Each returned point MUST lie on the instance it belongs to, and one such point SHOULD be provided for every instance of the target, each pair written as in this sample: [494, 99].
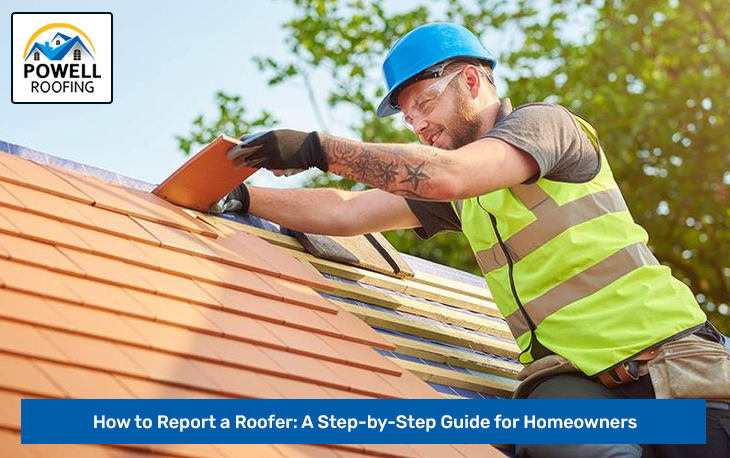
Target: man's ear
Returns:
[473, 80]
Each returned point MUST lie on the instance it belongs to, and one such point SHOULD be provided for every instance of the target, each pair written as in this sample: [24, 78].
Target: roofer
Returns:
[531, 188]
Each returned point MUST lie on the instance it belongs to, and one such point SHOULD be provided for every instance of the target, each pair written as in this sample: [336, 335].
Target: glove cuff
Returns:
[317, 158]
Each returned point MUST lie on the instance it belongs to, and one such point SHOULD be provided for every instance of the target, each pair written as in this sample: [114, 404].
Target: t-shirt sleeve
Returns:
[435, 217]
[551, 136]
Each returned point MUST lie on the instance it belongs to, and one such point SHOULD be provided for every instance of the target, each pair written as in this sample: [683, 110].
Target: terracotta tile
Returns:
[235, 253]
[334, 393]
[9, 200]
[298, 294]
[305, 367]
[84, 383]
[97, 323]
[410, 386]
[27, 340]
[307, 319]
[305, 451]
[105, 296]
[243, 354]
[26, 278]
[114, 223]
[10, 408]
[42, 203]
[400, 450]
[178, 239]
[11, 446]
[244, 303]
[174, 216]
[6, 225]
[303, 342]
[353, 328]
[186, 450]
[91, 352]
[290, 267]
[175, 262]
[169, 368]
[361, 355]
[173, 286]
[364, 381]
[478, 450]
[29, 308]
[107, 270]
[252, 450]
[238, 278]
[237, 382]
[20, 374]
[43, 229]
[41, 254]
[42, 177]
[149, 389]
[170, 285]
[439, 450]
[173, 339]
[112, 246]
[241, 327]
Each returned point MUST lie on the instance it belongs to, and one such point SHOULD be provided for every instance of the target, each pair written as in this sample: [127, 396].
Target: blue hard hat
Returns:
[422, 48]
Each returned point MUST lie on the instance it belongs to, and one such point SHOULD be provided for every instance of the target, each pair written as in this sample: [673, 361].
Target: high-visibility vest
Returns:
[571, 272]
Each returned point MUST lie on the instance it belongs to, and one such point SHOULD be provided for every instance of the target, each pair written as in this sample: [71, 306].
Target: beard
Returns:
[465, 124]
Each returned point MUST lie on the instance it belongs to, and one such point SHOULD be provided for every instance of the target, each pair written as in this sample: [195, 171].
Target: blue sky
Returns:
[170, 57]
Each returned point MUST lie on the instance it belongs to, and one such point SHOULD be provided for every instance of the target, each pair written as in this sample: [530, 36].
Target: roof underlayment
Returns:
[108, 291]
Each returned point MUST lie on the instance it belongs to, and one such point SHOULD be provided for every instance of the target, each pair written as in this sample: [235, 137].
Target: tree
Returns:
[650, 75]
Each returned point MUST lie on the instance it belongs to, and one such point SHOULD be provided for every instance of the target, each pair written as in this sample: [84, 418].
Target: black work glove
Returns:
[236, 200]
[280, 149]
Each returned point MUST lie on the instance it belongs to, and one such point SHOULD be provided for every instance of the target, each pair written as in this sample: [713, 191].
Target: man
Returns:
[533, 192]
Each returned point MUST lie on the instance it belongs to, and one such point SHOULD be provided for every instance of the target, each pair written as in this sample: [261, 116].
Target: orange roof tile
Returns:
[107, 291]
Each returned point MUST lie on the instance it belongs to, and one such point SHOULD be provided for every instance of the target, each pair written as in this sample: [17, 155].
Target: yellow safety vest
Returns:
[571, 272]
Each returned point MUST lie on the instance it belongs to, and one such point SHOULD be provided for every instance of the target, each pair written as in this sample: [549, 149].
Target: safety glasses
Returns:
[424, 103]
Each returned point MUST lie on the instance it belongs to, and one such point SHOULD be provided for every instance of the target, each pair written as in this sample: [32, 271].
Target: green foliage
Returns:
[651, 75]
[231, 120]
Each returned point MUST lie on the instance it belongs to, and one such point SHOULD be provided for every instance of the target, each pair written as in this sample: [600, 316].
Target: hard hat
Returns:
[422, 48]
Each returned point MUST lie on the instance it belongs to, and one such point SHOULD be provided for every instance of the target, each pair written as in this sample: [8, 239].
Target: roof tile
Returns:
[242, 327]
[108, 270]
[26, 278]
[236, 254]
[244, 280]
[40, 177]
[20, 374]
[172, 339]
[245, 303]
[174, 286]
[91, 352]
[43, 203]
[114, 223]
[10, 444]
[43, 229]
[9, 200]
[104, 295]
[150, 389]
[112, 246]
[168, 368]
[297, 293]
[41, 254]
[26, 340]
[237, 382]
[29, 308]
[97, 323]
[84, 383]
[175, 311]
[6, 225]
[178, 240]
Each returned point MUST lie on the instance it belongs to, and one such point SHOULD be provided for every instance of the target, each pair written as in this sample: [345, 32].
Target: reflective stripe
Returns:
[544, 229]
[459, 204]
[582, 285]
[535, 199]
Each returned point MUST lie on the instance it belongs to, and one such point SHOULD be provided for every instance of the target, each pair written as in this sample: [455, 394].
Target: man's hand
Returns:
[236, 200]
[279, 150]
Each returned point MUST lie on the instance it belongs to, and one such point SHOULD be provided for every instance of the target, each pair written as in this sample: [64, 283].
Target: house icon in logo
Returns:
[61, 48]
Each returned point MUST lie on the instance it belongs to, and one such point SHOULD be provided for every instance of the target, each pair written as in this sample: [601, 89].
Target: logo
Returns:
[61, 58]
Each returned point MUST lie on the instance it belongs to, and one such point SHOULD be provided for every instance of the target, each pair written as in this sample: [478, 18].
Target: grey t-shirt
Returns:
[545, 131]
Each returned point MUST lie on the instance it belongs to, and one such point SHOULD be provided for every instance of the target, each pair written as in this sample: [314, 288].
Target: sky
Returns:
[170, 57]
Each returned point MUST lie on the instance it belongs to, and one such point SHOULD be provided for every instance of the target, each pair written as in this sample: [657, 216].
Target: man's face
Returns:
[453, 120]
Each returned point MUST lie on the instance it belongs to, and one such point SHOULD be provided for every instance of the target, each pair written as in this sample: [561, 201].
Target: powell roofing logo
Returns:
[60, 62]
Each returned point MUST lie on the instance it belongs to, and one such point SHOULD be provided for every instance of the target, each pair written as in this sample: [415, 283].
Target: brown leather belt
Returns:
[628, 371]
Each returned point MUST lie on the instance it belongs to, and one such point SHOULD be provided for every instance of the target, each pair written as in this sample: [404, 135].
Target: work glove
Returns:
[236, 200]
[280, 149]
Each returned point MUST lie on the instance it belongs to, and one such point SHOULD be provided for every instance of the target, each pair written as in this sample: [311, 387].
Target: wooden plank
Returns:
[441, 354]
[400, 266]
[432, 331]
[205, 178]
[457, 379]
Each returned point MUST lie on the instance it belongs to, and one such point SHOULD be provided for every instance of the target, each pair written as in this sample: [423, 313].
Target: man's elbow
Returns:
[447, 188]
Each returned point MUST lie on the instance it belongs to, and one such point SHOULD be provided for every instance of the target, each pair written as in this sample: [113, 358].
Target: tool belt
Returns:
[627, 371]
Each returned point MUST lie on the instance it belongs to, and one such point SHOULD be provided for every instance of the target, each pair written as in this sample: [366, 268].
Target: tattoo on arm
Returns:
[401, 169]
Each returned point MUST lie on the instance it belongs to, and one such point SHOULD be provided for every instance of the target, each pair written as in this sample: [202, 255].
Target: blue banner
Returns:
[263, 421]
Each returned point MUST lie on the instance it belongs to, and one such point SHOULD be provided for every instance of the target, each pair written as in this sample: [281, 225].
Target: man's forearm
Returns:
[305, 210]
[414, 171]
